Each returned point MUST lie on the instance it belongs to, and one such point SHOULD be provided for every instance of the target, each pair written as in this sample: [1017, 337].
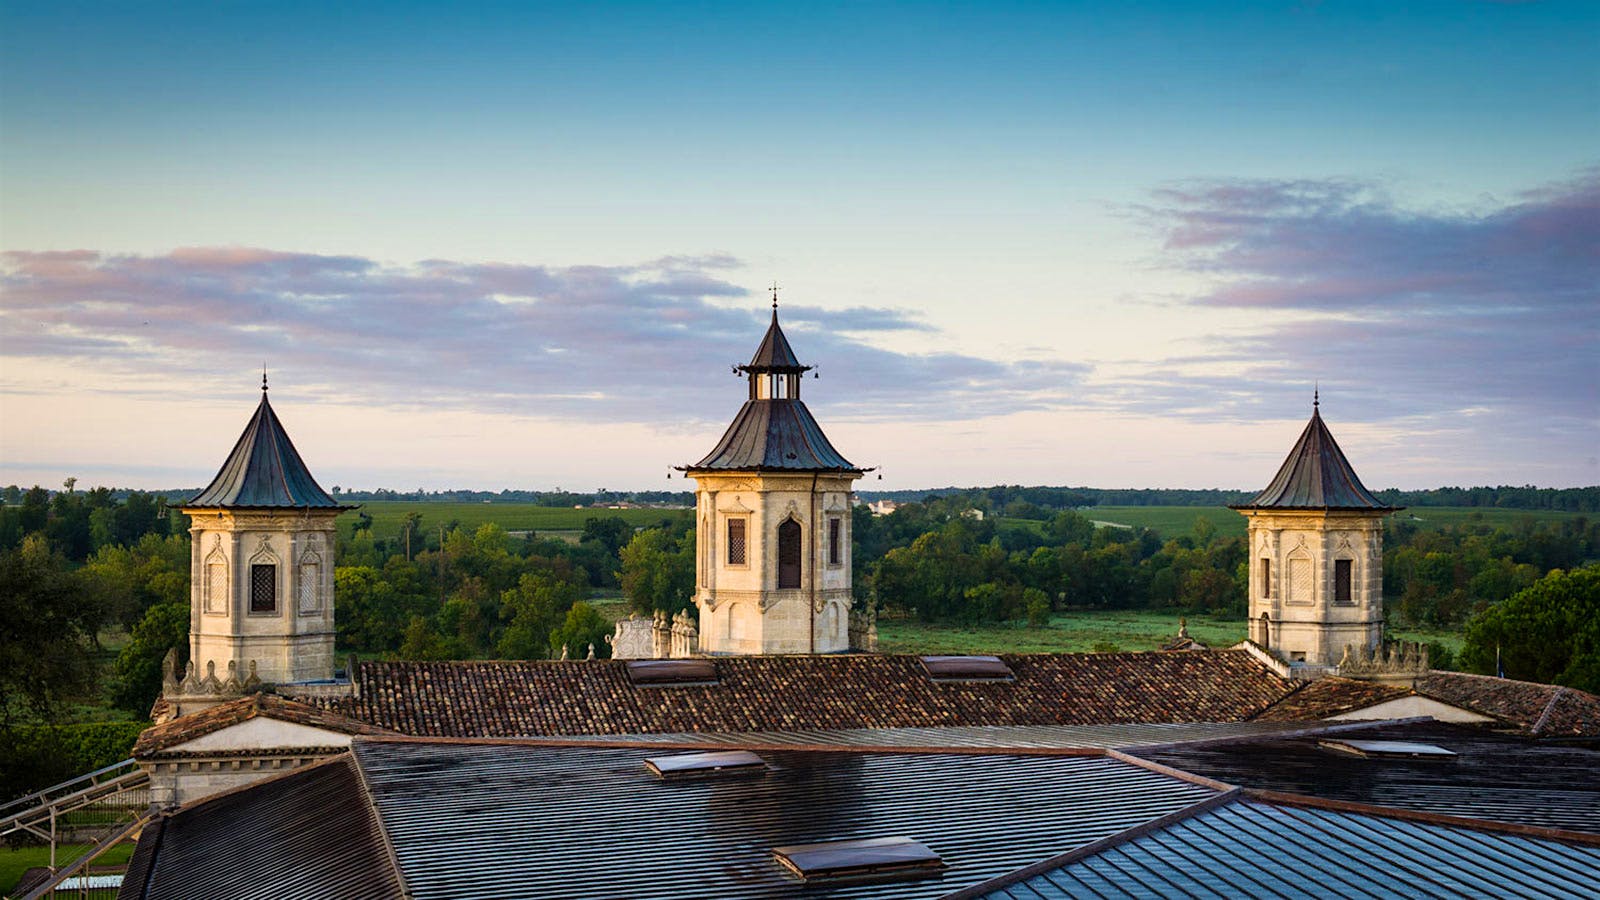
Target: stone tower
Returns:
[1316, 555]
[772, 504]
[261, 573]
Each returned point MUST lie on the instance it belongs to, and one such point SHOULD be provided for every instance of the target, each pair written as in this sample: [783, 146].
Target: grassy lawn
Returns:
[389, 515]
[15, 861]
[1069, 632]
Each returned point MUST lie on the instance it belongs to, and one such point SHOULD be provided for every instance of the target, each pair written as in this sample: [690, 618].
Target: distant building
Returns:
[883, 507]
[1316, 549]
[772, 506]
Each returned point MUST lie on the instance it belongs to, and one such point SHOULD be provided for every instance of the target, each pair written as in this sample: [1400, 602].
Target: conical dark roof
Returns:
[774, 354]
[264, 471]
[775, 434]
[1316, 476]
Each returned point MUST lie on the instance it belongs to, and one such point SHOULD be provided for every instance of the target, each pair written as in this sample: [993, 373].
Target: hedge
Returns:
[33, 757]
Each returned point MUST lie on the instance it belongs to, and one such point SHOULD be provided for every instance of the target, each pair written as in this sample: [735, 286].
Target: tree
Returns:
[45, 628]
[584, 627]
[533, 609]
[138, 682]
[1549, 632]
[657, 571]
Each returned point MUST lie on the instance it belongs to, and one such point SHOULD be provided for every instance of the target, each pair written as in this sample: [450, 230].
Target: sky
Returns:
[520, 245]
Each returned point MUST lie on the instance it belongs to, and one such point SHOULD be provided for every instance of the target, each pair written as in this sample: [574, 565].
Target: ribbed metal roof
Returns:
[774, 354]
[775, 434]
[1249, 848]
[1316, 476]
[487, 821]
[987, 737]
[1492, 776]
[264, 471]
[309, 834]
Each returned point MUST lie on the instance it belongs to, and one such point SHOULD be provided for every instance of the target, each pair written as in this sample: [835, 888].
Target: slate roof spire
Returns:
[773, 429]
[264, 471]
[774, 355]
[1316, 475]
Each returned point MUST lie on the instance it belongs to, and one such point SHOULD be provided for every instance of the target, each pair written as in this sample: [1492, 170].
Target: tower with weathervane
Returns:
[772, 505]
[1316, 555]
[261, 592]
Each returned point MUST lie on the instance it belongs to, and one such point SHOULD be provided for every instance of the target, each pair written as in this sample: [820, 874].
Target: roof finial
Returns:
[263, 378]
[774, 296]
[1316, 395]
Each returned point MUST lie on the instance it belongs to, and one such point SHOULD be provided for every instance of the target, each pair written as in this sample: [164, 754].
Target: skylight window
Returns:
[967, 668]
[1388, 749]
[872, 858]
[671, 672]
[701, 765]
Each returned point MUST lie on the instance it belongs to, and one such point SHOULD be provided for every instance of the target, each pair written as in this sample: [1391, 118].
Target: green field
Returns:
[1171, 521]
[1079, 632]
[1075, 632]
[389, 515]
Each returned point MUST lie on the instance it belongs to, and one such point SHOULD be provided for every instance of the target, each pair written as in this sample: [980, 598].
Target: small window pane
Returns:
[263, 588]
[835, 529]
[1341, 581]
[1266, 578]
[736, 543]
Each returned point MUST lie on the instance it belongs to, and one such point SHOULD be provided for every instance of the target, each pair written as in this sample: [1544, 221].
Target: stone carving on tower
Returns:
[1316, 555]
[261, 597]
[772, 510]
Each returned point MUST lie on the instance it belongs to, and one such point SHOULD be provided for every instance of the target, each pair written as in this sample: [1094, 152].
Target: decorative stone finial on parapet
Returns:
[1396, 662]
[591, 652]
[210, 684]
[563, 652]
[252, 681]
[191, 681]
[169, 673]
[232, 685]
[1183, 627]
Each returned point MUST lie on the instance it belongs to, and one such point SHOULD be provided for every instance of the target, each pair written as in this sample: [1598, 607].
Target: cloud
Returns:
[644, 343]
[1403, 312]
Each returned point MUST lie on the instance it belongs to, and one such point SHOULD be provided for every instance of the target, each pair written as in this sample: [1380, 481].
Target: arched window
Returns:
[216, 583]
[789, 555]
[1266, 630]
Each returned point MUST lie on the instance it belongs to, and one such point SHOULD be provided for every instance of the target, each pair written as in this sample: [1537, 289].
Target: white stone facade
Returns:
[261, 590]
[1316, 582]
[754, 595]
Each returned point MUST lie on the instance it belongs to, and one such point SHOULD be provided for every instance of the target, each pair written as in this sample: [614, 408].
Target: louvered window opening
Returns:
[263, 588]
[1342, 569]
[736, 542]
[1266, 579]
[789, 555]
[835, 532]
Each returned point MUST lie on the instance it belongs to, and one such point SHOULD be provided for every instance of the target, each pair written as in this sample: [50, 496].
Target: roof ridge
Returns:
[377, 817]
[1544, 717]
[1286, 798]
[982, 888]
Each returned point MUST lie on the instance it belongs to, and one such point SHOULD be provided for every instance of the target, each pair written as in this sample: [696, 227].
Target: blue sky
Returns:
[1026, 242]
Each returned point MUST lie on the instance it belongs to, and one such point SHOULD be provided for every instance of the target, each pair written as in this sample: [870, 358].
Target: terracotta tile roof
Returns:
[1546, 710]
[784, 693]
[1330, 696]
[181, 730]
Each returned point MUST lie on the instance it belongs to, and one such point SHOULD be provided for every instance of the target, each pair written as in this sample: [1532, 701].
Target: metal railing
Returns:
[103, 799]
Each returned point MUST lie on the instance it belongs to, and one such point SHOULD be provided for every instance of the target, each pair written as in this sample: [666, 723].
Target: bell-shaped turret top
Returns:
[1316, 476]
[773, 429]
[264, 471]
